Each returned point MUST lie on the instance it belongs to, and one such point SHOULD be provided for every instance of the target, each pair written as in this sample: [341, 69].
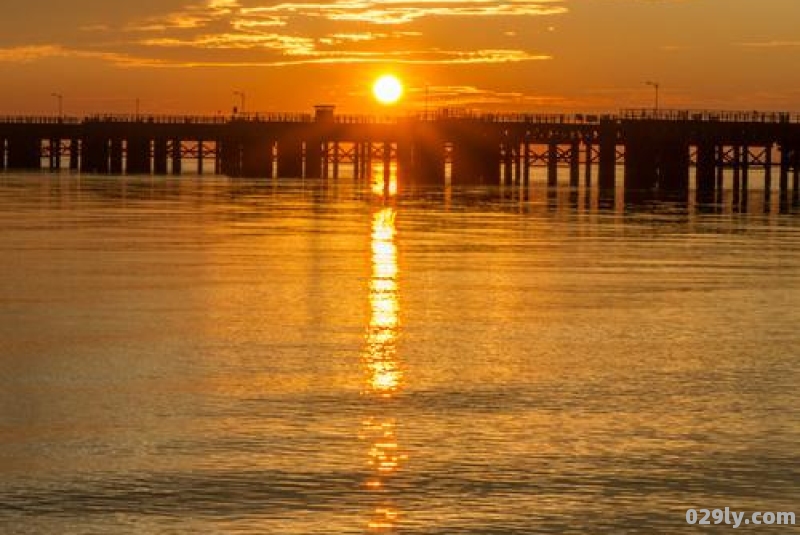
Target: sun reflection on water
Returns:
[383, 185]
[384, 374]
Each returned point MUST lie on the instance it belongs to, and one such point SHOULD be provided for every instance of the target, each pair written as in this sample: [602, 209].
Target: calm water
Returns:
[224, 356]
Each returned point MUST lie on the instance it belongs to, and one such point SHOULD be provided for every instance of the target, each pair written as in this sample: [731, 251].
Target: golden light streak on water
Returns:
[385, 376]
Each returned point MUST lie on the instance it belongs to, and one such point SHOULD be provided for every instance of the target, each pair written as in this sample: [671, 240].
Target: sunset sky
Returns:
[190, 56]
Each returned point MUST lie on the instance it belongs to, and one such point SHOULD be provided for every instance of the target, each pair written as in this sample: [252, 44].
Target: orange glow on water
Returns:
[384, 373]
[384, 184]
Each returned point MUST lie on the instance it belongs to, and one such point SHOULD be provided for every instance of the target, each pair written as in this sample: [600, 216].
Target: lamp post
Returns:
[241, 96]
[60, 98]
[656, 86]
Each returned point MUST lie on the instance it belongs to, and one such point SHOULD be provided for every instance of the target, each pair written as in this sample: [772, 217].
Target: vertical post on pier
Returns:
[290, 157]
[160, 156]
[674, 162]
[720, 168]
[796, 175]
[706, 163]
[366, 161]
[256, 157]
[552, 164]
[642, 161]
[200, 157]
[387, 163]
[575, 164]
[94, 154]
[517, 163]
[325, 160]
[218, 150]
[737, 166]
[357, 161]
[526, 162]
[313, 158]
[768, 169]
[74, 154]
[55, 154]
[115, 167]
[405, 160]
[508, 162]
[337, 155]
[361, 168]
[588, 164]
[429, 158]
[138, 160]
[745, 169]
[476, 157]
[177, 155]
[24, 152]
[608, 155]
[784, 176]
[50, 154]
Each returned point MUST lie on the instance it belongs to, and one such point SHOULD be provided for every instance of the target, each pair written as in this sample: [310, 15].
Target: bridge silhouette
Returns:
[656, 148]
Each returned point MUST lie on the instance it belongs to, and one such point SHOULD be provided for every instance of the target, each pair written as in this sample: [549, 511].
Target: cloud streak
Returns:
[383, 12]
[290, 33]
[238, 33]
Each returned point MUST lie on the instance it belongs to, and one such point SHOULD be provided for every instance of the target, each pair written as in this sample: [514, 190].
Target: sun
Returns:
[387, 89]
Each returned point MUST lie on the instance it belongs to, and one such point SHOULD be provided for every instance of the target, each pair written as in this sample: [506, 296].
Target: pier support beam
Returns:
[737, 169]
[55, 153]
[588, 165]
[115, 163]
[641, 164]
[257, 158]
[552, 164]
[138, 161]
[74, 154]
[706, 167]
[94, 154]
[200, 157]
[575, 164]
[429, 164]
[608, 156]
[526, 163]
[24, 152]
[508, 162]
[476, 159]
[784, 172]
[768, 170]
[745, 168]
[673, 166]
[177, 157]
[160, 156]
[290, 158]
[229, 156]
[313, 158]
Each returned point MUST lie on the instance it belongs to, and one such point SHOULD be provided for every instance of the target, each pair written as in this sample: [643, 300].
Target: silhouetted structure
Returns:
[657, 148]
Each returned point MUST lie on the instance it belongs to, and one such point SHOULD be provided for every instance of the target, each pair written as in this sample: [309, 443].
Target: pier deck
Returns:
[657, 148]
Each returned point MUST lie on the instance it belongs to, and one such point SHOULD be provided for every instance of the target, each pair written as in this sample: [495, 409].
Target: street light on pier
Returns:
[656, 86]
[241, 96]
[60, 98]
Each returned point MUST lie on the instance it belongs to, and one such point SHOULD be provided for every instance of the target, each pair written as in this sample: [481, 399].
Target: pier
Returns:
[656, 149]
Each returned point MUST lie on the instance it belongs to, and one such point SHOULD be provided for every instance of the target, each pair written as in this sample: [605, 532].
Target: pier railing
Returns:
[39, 119]
[630, 114]
[710, 116]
